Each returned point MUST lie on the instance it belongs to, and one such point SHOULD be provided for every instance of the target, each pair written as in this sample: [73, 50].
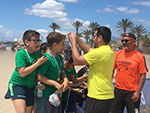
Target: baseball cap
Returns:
[130, 35]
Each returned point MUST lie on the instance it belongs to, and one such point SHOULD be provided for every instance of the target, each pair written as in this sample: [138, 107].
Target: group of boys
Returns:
[102, 61]
[45, 66]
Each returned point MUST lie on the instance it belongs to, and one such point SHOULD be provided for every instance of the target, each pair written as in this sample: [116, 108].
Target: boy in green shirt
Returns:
[51, 72]
[73, 84]
[21, 84]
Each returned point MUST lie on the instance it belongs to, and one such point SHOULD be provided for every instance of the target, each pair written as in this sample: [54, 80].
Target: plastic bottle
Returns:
[136, 110]
[39, 90]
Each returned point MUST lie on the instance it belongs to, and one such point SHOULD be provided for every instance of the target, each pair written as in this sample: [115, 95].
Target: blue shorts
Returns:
[20, 92]
[44, 106]
[72, 102]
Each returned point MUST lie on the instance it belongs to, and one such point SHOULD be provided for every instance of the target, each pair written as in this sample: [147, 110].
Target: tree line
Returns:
[123, 26]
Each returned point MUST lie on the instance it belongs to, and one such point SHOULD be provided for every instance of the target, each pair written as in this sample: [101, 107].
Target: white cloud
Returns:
[108, 10]
[97, 10]
[53, 9]
[133, 11]
[147, 23]
[127, 10]
[110, 5]
[138, 20]
[1, 26]
[49, 9]
[145, 3]
[105, 10]
[9, 34]
[42, 30]
[122, 8]
[108, 25]
[72, 1]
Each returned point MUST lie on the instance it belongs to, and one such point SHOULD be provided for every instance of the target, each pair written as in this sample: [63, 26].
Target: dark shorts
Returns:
[72, 102]
[97, 106]
[20, 92]
[44, 106]
[63, 104]
[122, 99]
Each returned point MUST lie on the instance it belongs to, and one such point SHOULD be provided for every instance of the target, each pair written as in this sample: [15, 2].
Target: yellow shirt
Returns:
[101, 62]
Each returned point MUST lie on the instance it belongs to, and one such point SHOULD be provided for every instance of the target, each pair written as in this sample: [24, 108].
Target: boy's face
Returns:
[60, 46]
[33, 44]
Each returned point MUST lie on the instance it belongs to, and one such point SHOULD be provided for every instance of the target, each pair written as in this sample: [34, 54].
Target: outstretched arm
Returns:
[85, 47]
[78, 60]
[24, 71]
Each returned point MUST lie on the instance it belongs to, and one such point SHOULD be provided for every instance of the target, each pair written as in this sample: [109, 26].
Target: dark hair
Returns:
[29, 34]
[54, 37]
[105, 32]
[43, 46]
[71, 60]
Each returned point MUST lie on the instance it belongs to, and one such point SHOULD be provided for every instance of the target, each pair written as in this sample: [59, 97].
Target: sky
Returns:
[17, 16]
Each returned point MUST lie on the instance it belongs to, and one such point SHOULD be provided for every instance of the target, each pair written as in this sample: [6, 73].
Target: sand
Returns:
[7, 65]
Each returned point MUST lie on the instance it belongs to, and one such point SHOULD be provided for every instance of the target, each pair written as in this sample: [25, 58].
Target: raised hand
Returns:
[72, 37]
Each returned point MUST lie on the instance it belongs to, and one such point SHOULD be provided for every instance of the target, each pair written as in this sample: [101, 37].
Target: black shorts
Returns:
[44, 106]
[97, 106]
[20, 92]
[72, 102]
[122, 99]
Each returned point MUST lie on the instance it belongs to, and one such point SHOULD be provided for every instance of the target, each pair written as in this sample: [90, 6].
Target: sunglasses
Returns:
[35, 41]
[126, 41]
[98, 34]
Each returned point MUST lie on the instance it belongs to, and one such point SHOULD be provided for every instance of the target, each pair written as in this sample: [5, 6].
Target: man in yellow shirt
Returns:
[100, 60]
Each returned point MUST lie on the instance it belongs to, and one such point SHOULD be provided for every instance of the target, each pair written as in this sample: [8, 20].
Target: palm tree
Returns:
[124, 25]
[80, 35]
[54, 26]
[91, 42]
[138, 30]
[77, 24]
[146, 41]
[86, 34]
[92, 26]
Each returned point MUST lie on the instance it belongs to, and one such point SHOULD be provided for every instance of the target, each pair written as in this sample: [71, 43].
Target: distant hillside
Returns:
[113, 38]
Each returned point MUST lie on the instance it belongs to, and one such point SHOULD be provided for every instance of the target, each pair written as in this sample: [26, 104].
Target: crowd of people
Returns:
[3, 47]
[93, 83]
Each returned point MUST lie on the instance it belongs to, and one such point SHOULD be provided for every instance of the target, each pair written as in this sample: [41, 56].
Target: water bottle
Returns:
[136, 110]
[87, 71]
[39, 90]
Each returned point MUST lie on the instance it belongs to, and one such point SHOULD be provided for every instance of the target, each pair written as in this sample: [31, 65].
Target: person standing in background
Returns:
[130, 76]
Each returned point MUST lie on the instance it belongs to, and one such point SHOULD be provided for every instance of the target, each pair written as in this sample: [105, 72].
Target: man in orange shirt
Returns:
[130, 76]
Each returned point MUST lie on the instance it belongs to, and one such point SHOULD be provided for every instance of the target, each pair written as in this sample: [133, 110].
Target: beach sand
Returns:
[7, 65]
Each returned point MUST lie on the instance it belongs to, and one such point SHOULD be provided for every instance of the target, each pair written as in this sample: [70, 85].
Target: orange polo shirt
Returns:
[129, 66]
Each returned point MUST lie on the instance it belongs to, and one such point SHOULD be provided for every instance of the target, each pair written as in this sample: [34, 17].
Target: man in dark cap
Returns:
[130, 76]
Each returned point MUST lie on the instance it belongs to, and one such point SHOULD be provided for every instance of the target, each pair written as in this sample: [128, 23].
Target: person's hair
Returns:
[54, 37]
[43, 46]
[71, 60]
[29, 34]
[105, 32]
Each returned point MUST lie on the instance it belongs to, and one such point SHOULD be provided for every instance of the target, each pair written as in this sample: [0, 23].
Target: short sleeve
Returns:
[93, 56]
[42, 69]
[142, 65]
[20, 60]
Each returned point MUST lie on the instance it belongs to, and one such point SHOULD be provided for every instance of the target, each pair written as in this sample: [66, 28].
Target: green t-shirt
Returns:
[50, 70]
[23, 60]
[68, 72]
[101, 62]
